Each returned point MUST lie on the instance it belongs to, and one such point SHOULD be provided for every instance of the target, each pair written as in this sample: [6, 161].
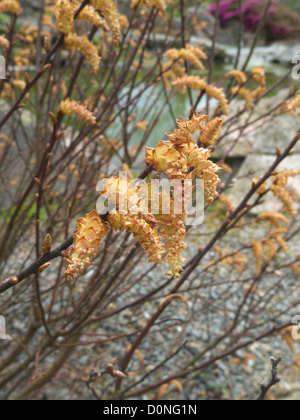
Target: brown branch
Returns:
[206, 364]
[33, 268]
[273, 381]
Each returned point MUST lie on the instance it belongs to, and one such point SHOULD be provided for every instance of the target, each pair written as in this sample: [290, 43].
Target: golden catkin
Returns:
[64, 14]
[87, 240]
[69, 107]
[85, 46]
[11, 6]
[274, 217]
[257, 93]
[142, 233]
[211, 133]
[239, 76]
[245, 94]
[278, 232]
[173, 231]
[19, 84]
[194, 82]
[271, 249]
[4, 42]
[192, 54]
[279, 190]
[218, 93]
[257, 249]
[283, 245]
[258, 74]
[160, 4]
[90, 15]
[109, 10]
[290, 107]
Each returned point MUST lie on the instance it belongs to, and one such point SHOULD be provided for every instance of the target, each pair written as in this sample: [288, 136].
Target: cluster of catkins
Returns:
[11, 6]
[161, 235]
[65, 11]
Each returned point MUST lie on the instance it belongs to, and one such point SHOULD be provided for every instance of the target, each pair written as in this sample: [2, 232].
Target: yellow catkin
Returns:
[85, 46]
[64, 13]
[279, 190]
[160, 4]
[4, 42]
[90, 15]
[218, 93]
[274, 217]
[142, 232]
[245, 94]
[124, 23]
[257, 249]
[257, 93]
[290, 107]
[283, 245]
[110, 13]
[277, 232]
[192, 54]
[69, 107]
[87, 240]
[239, 76]
[194, 82]
[19, 84]
[271, 249]
[211, 133]
[258, 74]
[173, 231]
[11, 6]
[142, 125]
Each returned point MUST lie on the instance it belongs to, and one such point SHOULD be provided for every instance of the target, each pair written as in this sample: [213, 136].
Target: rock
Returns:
[256, 165]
